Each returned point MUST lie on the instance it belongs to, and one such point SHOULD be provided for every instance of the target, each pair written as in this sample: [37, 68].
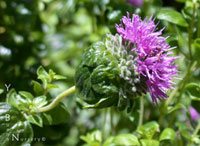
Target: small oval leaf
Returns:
[148, 130]
[126, 139]
[167, 134]
[193, 89]
[172, 16]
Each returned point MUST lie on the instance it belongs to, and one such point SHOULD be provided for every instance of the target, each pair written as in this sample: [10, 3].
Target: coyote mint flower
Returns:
[135, 61]
[154, 63]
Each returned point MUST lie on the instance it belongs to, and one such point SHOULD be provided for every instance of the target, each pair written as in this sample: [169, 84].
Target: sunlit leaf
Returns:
[148, 130]
[93, 139]
[172, 16]
[149, 142]
[126, 139]
[167, 134]
[39, 101]
[29, 97]
[1, 91]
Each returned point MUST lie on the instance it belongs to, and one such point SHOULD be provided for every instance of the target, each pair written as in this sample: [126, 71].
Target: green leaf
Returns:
[193, 89]
[25, 101]
[197, 43]
[196, 139]
[47, 119]
[149, 142]
[109, 141]
[1, 91]
[35, 119]
[14, 129]
[28, 96]
[125, 140]
[12, 98]
[185, 130]
[187, 13]
[47, 78]
[194, 98]
[58, 115]
[37, 87]
[167, 134]
[43, 75]
[104, 102]
[183, 126]
[51, 74]
[40, 101]
[44, 80]
[114, 16]
[172, 16]
[171, 109]
[148, 130]
[16, 100]
[59, 77]
[50, 86]
[186, 134]
[93, 139]
[41, 71]
[197, 49]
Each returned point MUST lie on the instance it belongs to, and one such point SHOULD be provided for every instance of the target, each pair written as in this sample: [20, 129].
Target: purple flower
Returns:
[135, 3]
[154, 62]
[194, 114]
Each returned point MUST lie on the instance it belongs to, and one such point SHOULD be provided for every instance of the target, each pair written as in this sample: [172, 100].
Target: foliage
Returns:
[21, 110]
[69, 37]
[143, 136]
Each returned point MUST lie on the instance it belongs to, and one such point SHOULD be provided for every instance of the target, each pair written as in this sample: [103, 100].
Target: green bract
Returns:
[106, 77]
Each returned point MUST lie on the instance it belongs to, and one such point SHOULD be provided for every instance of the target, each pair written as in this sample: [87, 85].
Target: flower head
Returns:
[135, 3]
[194, 114]
[153, 61]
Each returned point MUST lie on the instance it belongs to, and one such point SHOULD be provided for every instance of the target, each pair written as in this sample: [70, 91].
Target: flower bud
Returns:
[106, 75]
[194, 114]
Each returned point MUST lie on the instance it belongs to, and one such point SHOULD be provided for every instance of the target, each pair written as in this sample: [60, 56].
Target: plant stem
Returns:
[104, 125]
[179, 141]
[45, 90]
[191, 68]
[198, 29]
[191, 31]
[111, 121]
[195, 133]
[164, 107]
[196, 130]
[182, 84]
[94, 26]
[141, 110]
[57, 100]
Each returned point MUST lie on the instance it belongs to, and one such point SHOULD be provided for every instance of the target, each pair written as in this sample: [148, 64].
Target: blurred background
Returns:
[53, 33]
